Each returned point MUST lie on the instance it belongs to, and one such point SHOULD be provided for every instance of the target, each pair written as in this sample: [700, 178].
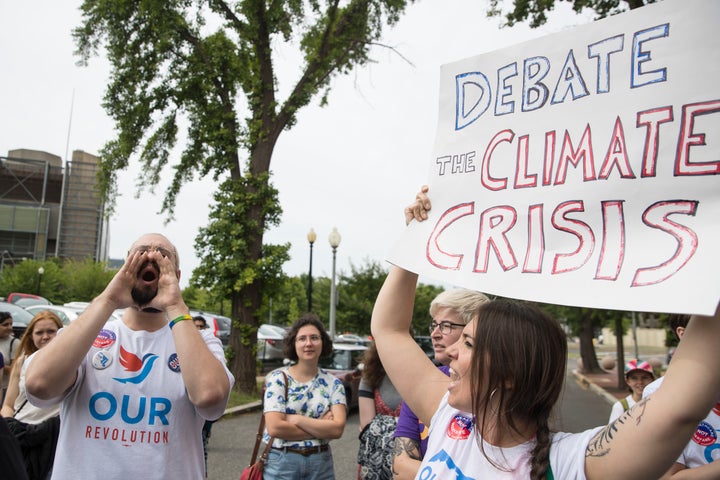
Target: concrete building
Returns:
[49, 209]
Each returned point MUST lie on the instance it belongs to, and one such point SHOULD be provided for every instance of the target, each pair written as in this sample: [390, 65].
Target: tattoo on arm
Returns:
[600, 444]
[408, 446]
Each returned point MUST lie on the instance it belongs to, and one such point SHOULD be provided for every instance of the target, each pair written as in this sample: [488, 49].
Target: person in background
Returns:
[11, 459]
[677, 324]
[8, 348]
[490, 418]
[134, 392]
[42, 424]
[201, 324]
[450, 311]
[637, 377]
[376, 393]
[313, 413]
[700, 459]
[379, 403]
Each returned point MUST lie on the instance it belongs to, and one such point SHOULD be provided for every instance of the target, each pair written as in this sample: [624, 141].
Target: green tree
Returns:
[583, 323]
[83, 280]
[536, 10]
[25, 278]
[424, 295]
[356, 296]
[62, 280]
[192, 61]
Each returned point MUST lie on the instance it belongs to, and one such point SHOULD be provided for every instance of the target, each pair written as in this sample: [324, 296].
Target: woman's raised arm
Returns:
[665, 421]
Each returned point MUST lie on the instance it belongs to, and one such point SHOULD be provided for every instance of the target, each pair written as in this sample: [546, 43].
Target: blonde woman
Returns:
[40, 425]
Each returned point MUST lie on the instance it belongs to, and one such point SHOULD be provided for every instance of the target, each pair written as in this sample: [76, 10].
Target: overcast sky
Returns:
[353, 165]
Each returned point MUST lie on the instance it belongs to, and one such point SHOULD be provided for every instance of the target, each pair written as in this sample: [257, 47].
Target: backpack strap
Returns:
[624, 403]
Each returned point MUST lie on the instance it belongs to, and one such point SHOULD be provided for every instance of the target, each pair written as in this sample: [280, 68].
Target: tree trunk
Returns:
[247, 301]
[620, 367]
[243, 364]
[587, 349]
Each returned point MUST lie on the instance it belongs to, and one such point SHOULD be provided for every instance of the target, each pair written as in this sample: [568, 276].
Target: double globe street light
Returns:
[334, 239]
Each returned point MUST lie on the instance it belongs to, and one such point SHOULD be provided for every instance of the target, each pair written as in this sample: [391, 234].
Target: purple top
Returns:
[409, 426]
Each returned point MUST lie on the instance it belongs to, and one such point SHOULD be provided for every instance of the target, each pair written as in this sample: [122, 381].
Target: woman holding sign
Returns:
[506, 374]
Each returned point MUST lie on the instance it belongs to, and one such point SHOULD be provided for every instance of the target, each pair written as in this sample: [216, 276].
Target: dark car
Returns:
[21, 318]
[427, 346]
[346, 364]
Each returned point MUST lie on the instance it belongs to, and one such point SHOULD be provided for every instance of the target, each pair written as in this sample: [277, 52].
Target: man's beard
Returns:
[143, 296]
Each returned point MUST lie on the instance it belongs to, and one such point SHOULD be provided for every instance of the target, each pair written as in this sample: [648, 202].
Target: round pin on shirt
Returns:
[101, 360]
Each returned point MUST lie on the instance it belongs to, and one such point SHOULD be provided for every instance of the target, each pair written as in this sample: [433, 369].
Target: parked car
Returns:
[346, 364]
[352, 338]
[270, 343]
[21, 317]
[220, 325]
[25, 299]
[66, 314]
[80, 307]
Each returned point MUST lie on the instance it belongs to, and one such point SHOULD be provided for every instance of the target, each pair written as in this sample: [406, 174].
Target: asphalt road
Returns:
[233, 437]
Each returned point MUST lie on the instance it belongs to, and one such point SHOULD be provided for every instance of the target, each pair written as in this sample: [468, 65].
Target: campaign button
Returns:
[101, 360]
[704, 434]
[174, 363]
[104, 339]
[460, 427]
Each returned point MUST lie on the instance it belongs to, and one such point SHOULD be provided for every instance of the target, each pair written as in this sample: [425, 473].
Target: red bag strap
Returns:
[382, 408]
[258, 437]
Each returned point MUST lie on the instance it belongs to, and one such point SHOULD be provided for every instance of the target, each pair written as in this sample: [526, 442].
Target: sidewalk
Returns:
[604, 384]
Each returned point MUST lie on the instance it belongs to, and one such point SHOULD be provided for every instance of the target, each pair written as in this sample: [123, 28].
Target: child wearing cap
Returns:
[637, 377]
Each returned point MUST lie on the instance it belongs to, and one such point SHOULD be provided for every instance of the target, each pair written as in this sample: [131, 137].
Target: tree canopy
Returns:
[536, 11]
[202, 75]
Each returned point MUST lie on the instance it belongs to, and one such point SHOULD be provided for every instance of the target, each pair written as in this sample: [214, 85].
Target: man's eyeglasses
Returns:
[445, 327]
[148, 248]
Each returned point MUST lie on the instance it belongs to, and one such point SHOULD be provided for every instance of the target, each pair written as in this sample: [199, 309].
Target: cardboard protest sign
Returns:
[582, 168]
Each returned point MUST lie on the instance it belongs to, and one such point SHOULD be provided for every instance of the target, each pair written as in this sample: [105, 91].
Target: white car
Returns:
[270, 340]
[69, 311]
[66, 314]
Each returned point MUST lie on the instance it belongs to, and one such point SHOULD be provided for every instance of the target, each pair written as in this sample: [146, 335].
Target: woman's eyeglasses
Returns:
[445, 327]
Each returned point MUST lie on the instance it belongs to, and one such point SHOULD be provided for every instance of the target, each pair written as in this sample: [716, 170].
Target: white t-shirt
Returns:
[312, 399]
[618, 408]
[26, 411]
[704, 446]
[128, 415]
[454, 451]
[8, 354]
[652, 387]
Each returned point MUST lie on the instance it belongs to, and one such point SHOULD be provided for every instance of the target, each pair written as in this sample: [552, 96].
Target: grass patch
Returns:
[236, 398]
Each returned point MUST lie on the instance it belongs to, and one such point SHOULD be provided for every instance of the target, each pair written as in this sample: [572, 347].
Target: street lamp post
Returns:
[311, 236]
[41, 270]
[334, 239]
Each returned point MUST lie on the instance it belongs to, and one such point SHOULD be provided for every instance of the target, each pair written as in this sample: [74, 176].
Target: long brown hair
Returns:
[27, 346]
[373, 371]
[523, 353]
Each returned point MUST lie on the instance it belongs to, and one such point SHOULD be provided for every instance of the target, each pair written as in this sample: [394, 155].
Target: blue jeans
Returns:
[293, 466]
